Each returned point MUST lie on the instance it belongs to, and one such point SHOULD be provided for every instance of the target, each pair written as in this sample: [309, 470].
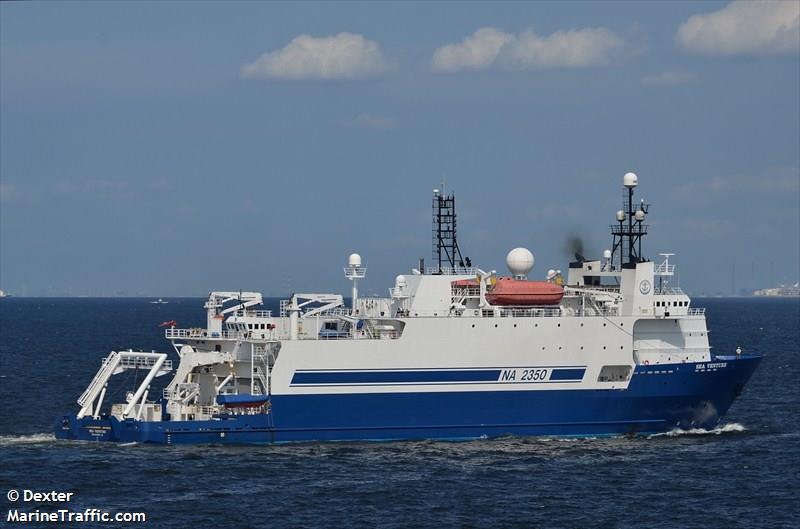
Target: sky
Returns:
[173, 148]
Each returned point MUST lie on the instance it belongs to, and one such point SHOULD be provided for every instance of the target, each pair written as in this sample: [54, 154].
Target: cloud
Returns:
[104, 186]
[8, 191]
[343, 56]
[746, 28]
[372, 121]
[492, 48]
[784, 182]
[479, 50]
[160, 184]
[65, 187]
[668, 78]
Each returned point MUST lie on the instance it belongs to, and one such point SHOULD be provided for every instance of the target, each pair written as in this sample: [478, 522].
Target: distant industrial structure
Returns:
[784, 291]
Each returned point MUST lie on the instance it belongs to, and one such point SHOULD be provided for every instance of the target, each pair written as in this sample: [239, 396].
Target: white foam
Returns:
[724, 428]
[9, 440]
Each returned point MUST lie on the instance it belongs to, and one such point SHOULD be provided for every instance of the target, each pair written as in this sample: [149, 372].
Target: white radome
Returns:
[639, 215]
[620, 215]
[630, 180]
[354, 260]
[519, 262]
[551, 274]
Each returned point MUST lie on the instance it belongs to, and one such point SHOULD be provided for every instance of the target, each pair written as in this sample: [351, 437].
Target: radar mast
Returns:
[446, 253]
[630, 227]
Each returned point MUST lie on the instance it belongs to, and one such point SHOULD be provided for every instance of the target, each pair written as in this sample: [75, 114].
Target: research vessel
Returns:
[452, 352]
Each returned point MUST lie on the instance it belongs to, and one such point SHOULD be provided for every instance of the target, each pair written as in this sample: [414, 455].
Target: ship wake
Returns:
[733, 427]
[36, 438]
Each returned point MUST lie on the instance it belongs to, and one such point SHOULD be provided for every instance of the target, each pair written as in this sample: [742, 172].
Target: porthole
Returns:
[473, 325]
[581, 325]
[535, 324]
[604, 325]
[559, 325]
[515, 325]
[495, 325]
[581, 348]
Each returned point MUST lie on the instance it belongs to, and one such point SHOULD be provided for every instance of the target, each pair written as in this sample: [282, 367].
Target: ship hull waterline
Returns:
[658, 399]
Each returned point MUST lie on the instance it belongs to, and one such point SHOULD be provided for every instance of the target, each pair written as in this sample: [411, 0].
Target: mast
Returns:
[446, 253]
[630, 227]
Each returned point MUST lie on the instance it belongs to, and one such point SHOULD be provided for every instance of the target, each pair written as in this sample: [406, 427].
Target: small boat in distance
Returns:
[159, 301]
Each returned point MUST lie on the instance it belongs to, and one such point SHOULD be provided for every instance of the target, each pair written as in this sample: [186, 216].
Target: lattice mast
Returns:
[630, 228]
[446, 253]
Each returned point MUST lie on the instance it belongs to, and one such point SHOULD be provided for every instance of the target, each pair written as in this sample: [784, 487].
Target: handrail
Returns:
[201, 334]
[466, 291]
[665, 269]
[253, 313]
[451, 270]
[677, 291]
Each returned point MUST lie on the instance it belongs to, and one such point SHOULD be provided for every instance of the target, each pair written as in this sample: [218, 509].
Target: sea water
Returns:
[744, 473]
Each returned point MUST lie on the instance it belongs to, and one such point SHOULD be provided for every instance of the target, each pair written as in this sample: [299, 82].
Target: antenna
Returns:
[355, 271]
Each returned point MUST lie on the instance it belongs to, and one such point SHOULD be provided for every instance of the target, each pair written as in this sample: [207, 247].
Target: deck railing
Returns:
[451, 270]
[203, 334]
[253, 313]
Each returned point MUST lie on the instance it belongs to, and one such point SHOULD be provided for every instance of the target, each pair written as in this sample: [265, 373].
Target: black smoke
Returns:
[573, 246]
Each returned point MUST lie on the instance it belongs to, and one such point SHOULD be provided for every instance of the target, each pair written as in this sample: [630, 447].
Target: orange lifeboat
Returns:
[508, 291]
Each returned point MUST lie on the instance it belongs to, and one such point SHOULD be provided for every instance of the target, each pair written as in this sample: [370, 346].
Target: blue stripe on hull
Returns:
[658, 398]
[380, 377]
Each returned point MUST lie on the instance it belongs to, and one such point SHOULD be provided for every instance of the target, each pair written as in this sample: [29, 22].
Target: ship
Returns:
[452, 352]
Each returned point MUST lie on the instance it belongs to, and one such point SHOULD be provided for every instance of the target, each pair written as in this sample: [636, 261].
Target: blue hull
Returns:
[659, 398]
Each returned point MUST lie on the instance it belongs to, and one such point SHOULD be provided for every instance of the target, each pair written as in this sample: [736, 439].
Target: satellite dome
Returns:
[630, 180]
[354, 260]
[620, 215]
[519, 262]
[606, 254]
[400, 281]
[551, 274]
[639, 215]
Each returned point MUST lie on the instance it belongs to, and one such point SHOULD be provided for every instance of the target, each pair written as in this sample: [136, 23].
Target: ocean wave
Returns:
[724, 428]
[9, 440]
